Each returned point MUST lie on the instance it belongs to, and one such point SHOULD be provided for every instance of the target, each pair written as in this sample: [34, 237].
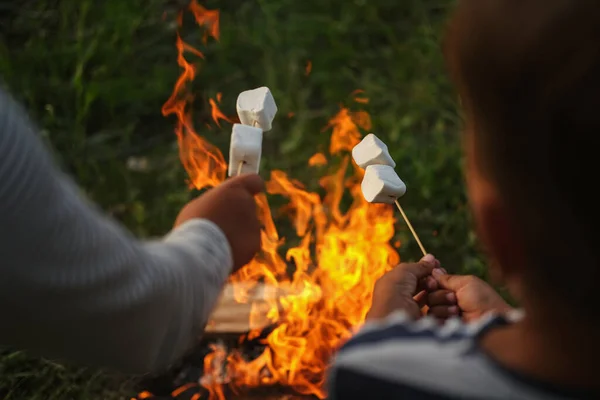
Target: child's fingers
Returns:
[431, 284]
[441, 298]
[443, 312]
[428, 284]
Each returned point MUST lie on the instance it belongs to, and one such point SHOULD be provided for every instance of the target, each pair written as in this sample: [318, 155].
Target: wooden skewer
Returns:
[414, 233]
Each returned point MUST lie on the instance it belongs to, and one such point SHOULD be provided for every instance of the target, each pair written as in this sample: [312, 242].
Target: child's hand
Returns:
[231, 206]
[403, 288]
[470, 294]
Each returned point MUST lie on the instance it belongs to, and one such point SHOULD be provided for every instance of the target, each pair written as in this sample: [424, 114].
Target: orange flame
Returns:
[317, 160]
[342, 251]
[209, 19]
[182, 389]
[212, 379]
[203, 161]
[345, 133]
[216, 113]
[357, 95]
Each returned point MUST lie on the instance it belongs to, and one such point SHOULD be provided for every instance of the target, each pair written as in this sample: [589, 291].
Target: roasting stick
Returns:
[239, 170]
[414, 233]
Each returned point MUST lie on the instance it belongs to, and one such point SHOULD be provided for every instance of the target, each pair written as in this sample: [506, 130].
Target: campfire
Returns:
[318, 292]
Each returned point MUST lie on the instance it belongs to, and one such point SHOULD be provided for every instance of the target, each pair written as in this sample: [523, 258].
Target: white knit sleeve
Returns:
[75, 284]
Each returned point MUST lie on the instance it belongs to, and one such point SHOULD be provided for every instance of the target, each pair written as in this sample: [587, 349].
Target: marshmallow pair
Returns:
[380, 184]
[256, 109]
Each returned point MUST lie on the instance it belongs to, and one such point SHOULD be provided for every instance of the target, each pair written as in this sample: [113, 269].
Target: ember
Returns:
[340, 256]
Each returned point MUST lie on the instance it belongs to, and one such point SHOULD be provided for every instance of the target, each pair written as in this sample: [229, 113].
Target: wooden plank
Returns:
[233, 318]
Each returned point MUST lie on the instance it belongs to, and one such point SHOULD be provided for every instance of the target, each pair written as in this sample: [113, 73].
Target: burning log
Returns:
[234, 326]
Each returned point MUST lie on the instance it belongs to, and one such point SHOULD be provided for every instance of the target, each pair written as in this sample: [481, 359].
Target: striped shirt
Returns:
[77, 285]
[404, 359]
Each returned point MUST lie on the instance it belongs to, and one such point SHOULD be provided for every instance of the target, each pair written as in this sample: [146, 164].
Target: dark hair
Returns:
[528, 73]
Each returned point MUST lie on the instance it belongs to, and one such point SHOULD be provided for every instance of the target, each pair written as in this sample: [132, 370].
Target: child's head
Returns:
[528, 75]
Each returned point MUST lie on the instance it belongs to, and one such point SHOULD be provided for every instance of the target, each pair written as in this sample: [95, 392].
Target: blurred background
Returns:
[94, 75]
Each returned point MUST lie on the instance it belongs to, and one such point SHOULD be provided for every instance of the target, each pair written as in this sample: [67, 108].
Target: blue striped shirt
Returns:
[404, 359]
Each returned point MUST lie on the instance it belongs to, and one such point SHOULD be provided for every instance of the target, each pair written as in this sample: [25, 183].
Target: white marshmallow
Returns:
[372, 151]
[257, 108]
[246, 147]
[381, 184]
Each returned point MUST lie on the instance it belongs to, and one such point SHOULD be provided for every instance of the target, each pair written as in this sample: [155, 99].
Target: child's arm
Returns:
[398, 354]
[74, 284]
[393, 310]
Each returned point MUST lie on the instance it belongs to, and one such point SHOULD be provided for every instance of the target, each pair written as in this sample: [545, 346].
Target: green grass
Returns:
[24, 377]
[95, 74]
